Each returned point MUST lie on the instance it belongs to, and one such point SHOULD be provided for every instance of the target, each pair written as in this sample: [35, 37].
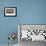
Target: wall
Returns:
[28, 12]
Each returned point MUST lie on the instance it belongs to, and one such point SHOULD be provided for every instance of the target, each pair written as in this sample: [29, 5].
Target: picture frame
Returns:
[10, 11]
[40, 28]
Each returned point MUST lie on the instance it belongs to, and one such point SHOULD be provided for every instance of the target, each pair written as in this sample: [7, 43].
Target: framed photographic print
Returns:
[10, 11]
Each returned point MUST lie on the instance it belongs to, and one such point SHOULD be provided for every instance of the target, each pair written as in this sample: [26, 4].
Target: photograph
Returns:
[10, 11]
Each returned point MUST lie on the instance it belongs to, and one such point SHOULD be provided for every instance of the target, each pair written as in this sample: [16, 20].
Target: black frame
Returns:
[9, 15]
